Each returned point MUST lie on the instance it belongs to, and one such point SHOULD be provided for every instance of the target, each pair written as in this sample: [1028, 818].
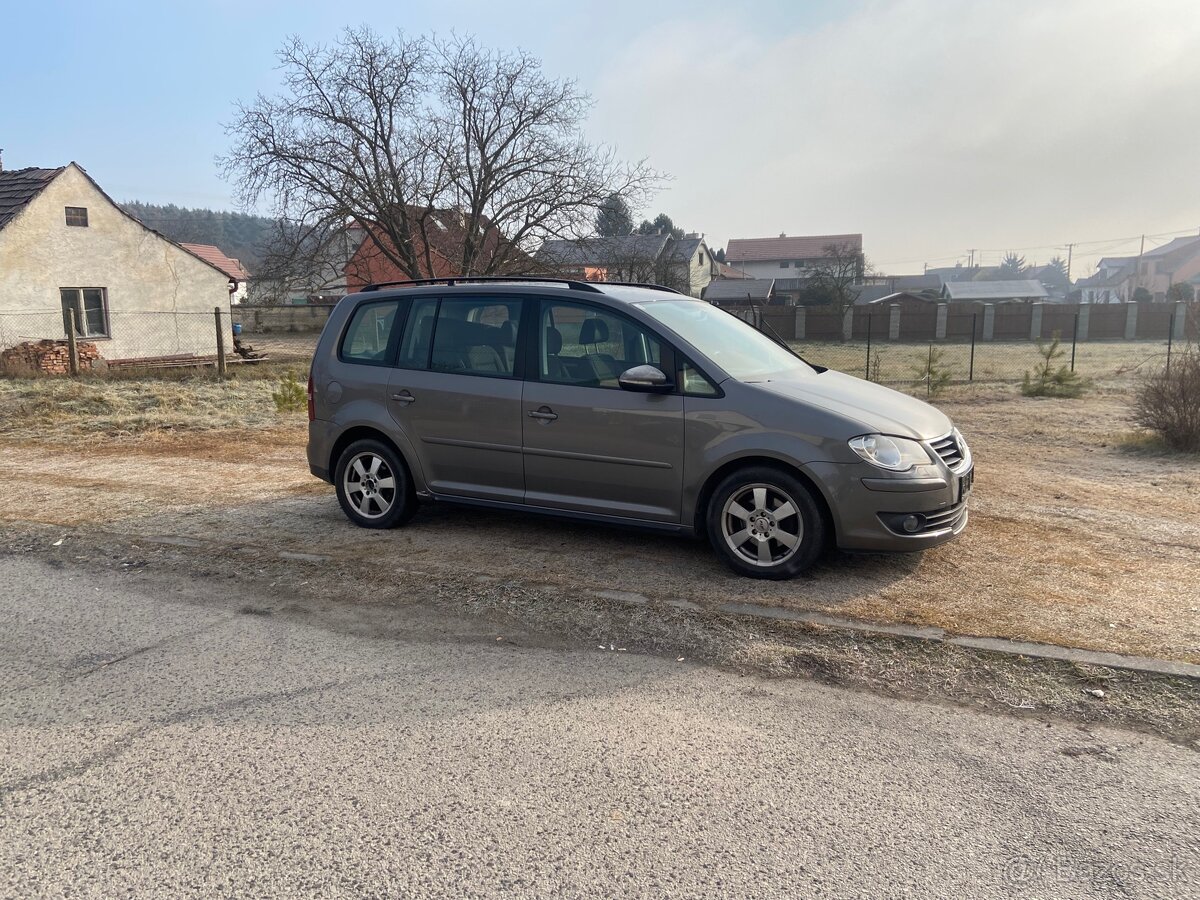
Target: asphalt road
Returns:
[168, 739]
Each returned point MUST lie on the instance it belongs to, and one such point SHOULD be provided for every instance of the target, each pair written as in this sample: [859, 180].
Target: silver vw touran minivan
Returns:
[627, 404]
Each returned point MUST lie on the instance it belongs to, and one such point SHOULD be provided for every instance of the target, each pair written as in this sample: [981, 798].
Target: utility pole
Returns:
[1070, 249]
[971, 264]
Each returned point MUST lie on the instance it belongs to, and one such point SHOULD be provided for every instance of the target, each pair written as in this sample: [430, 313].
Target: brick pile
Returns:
[47, 358]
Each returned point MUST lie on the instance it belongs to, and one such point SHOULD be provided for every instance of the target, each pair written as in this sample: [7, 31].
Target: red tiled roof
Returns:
[214, 257]
[724, 271]
[770, 249]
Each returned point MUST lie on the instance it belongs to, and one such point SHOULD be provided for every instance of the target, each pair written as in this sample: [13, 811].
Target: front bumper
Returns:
[869, 510]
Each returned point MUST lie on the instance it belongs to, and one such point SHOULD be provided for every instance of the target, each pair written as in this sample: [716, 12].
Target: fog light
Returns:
[911, 524]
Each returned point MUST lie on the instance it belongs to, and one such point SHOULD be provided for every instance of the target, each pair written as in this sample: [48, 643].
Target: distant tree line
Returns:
[241, 236]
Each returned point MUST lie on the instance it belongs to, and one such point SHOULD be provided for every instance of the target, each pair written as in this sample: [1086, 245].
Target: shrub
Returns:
[932, 375]
[1169, 403]
[292, 396]
[1049, 380]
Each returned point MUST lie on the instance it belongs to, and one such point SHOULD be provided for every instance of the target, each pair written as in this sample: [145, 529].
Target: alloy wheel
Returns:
[762, 525]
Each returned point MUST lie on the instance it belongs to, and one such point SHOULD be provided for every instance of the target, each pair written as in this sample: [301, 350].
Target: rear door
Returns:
[589, 445]
[457, 394]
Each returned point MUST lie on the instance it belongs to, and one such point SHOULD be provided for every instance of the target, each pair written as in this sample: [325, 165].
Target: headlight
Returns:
[894, 453]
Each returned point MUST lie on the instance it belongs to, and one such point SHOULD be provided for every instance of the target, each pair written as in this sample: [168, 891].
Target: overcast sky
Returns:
[931, 126]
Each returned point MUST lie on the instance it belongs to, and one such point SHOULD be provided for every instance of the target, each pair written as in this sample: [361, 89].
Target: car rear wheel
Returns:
[765, 523]
[373, 485]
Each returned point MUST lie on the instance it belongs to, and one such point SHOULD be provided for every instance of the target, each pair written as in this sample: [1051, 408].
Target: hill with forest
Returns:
[242, 236]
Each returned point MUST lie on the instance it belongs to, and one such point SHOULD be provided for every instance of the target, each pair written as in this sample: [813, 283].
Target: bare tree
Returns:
[415, 138]
[831, 279]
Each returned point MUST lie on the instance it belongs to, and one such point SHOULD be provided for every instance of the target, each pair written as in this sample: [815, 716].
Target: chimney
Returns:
[782, 235]
[1, 159]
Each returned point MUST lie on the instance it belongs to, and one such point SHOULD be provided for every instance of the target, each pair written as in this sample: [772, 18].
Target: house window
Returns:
[799, 264]
[77, 215]
[701, 257]
[783, 263]
[89, 308]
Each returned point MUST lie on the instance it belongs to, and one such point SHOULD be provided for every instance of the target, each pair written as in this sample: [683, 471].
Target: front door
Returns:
[589, 445]
[457, 396]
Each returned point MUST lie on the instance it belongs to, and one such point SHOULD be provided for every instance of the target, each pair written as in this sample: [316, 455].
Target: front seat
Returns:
[604, 365]
[554, 366]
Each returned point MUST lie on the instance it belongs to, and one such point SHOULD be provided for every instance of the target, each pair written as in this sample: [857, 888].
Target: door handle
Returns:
[545, 414]
[404, 397]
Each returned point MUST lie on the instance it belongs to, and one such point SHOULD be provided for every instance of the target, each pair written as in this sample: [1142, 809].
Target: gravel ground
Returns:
[1075, 538]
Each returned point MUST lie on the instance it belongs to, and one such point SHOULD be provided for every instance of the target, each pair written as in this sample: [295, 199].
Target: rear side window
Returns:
[370, 333]
[467, 336]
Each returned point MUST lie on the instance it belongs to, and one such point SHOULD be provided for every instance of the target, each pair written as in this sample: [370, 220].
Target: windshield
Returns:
[740, 349]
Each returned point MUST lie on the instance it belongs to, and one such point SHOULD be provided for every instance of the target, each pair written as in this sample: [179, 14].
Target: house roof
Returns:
[751, 289]
[684, 248]
[994, 290]
[1171, 246]
[213, 256]
[724, 271]
[770, 249]
[19, 186]
[602, 251]
[1116, 262]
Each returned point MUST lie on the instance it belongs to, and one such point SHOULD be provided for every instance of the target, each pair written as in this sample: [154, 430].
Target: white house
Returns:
[67, 250]
[788, 257]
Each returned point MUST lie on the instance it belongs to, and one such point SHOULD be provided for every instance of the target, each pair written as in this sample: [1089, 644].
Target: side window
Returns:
[366, 338]
[476, 336]
[694, 383]
[587, 346]
[418, 335]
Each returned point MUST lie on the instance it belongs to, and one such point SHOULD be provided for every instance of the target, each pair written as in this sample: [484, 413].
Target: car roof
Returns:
[620, 291]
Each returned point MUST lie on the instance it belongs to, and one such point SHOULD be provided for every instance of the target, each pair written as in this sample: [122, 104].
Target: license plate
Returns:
[965, 482]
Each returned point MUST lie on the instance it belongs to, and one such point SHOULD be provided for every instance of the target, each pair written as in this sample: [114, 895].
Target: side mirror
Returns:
[644, 379]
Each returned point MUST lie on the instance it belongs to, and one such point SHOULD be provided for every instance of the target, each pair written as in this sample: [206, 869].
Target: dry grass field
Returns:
[1082, 532]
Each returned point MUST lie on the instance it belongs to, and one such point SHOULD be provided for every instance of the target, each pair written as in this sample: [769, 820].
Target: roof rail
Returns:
[642, 284]
[484, 279]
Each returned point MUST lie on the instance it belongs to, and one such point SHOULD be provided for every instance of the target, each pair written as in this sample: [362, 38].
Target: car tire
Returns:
[373, 485]
[765, 523]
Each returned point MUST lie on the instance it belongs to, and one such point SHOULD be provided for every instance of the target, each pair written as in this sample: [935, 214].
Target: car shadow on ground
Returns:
[598, 557]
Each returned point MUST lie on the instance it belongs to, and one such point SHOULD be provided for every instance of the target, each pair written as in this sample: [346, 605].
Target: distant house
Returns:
[68, 252]
[740, 291]
[787, 257]
[1158, 269]
[440, 258]
[685, 264]
[239, 278]
[1111, 283]
[1027, 290]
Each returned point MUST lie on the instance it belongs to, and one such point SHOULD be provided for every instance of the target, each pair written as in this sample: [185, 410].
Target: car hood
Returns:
[877, 408]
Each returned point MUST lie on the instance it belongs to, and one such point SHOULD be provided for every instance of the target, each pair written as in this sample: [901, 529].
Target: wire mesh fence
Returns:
[905, 345]
[921, 343]
[107, 340]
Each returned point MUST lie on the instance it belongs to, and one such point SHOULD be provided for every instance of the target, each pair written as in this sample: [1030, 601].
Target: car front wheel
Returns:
[765, 523]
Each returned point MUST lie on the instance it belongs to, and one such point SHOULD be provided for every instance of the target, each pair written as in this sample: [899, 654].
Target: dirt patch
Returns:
[1074, 538]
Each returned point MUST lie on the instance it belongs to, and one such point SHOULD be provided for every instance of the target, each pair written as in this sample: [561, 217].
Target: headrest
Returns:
[553, 341]
[508, 331]
[594, 331]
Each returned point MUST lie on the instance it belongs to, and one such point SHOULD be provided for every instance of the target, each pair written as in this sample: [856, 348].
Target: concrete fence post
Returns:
[1180, 320]
[1085, 314]
[989, 321]
[894, 322]
[943, 316]
[1131, 314]
[800, 322]
[1035, 321]
[848, 324]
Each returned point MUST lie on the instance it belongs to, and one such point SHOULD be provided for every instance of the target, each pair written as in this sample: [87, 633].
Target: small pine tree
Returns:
[1049, 379]
[932, 374]
[292, 396]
